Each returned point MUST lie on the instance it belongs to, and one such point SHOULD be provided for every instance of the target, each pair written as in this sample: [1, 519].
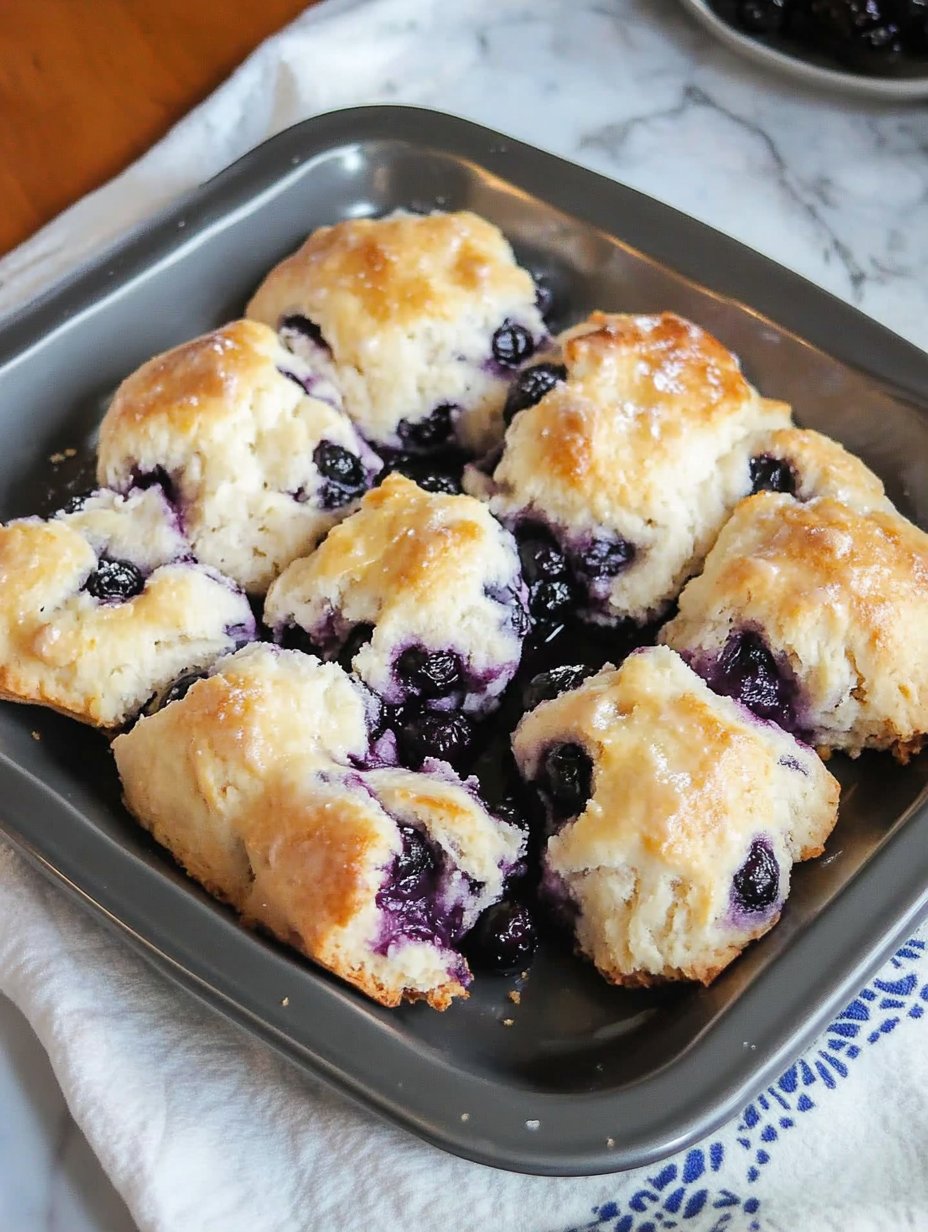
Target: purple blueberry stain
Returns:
[114, 581]
[791, 763]
[410, 897]
[756, 884]
[747, 671]
[770, 474]
[530, 386]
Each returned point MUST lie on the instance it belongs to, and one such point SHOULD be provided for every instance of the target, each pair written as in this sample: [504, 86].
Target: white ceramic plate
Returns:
[899, 89]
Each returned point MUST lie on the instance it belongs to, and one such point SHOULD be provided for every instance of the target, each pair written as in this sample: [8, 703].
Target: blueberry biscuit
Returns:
[423, 319]
[104, 605]
[252, 781]
[251, 441]
[419, 592]
[611, 472]
[816, 615]
[674, 818]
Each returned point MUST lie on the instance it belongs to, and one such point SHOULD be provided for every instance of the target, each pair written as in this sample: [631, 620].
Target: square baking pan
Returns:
[585, 1077]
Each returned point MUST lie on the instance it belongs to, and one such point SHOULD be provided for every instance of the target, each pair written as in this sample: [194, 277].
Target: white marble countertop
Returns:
[835, 188]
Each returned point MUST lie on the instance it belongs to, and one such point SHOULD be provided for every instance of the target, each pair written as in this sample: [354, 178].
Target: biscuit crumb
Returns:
[514, 996]
[285, 1002]
[465, 1116]
[508, 1022]
[36, 735]
[610, 1142]
[524, 975]
[56, 458]
[533, 1124]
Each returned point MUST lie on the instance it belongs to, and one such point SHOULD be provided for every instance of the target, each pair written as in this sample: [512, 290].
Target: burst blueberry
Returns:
[770, 474]
[413, 865]
[604, 558]
[503, 939]
[433, 674]
[114, 581]
[746, 670]
[757, 882]
[567, 779]
[547, 685]
[530, 386]
[512, 344]
[446, 737]
[427, 433]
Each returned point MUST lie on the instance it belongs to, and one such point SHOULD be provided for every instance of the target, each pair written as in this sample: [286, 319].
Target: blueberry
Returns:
[503, 939]
[446, 737]
[512, 344]
[749, 672]
[548, 685]
[550, 600]
[431, 675]
[605, 557]
[530, 386]
[541, 558]
[762, 16]
[114, 580]
[430, 475]
[757, 881]
[295, 638]
[340, 465]
[413, 865]
[427, 433]
[303, 325]
[174, 692]
[359, 636]
[508, 810]
[769, 474]
[567, 777]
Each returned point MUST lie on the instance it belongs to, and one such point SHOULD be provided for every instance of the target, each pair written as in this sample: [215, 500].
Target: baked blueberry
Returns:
[341, 467]
[413, 866]
[757, 882]
[114, 581]
[174, 692]
[513, 344]
[604, 558]
[428, 433]
[432, 734]
[433, 674]
[503, 940]
[297, 324]
[567, 779]
[541, 558]
[551, 684]
[747, 671]
[530, 387]
[551, 599]
[769, 474]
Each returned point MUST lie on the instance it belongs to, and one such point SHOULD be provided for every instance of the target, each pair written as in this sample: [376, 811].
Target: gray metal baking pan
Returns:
[588, 1078]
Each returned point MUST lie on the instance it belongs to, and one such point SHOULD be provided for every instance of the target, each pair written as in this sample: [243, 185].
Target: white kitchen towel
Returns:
[202, 1128]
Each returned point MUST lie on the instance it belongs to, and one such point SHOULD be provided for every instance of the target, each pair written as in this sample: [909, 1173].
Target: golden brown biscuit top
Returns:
[644, 396]
[820, 559]
[824, 468]
[393, 271]
[403, 545]
[195, 380]
[680, 776]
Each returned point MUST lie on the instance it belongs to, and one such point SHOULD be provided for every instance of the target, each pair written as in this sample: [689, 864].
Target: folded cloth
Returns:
[201, 1127]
